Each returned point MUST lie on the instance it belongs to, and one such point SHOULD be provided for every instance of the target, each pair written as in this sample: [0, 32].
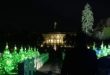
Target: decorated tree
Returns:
[1, 66]
[7, 60]
[94, 46]
[26, 54]
[21, 55]
[29, 52]
[87, 19]
[37, 52]
[15, 57]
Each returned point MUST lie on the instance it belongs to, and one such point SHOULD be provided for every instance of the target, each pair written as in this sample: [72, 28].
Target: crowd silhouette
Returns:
[80, 60]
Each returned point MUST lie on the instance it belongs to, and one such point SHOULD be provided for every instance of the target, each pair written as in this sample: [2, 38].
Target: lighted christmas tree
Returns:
[7, 61]
[94, 46]
[105, 51]
[1, 66]
[87, 20]
[108, 50]
[21, 55]
[102, 51]
[26, 54]
[102, 46]
[15, 56]
[37, 53]
[29, 52]
[32, 52]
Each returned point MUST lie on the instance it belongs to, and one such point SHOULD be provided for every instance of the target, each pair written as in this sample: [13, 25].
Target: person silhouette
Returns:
[80, 60]
[49, 72]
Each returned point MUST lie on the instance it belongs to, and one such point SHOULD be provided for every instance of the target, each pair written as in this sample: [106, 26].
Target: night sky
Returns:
[39, 15]
[22, 20]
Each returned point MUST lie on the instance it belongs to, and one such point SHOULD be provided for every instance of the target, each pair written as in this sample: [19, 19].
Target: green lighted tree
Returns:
[1, 66]
[15, 54]
[7, 60]
[87, 19]
[37, 53]
[29, 52]
[15, 57]
[21, 55]
[26, 54]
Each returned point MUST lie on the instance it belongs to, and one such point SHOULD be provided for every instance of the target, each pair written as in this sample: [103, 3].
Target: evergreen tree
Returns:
[87, 19]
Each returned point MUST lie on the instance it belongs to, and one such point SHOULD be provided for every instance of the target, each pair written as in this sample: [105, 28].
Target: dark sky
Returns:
[39, 15]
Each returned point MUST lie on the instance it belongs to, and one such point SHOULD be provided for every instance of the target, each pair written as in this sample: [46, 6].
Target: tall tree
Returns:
[87, 19]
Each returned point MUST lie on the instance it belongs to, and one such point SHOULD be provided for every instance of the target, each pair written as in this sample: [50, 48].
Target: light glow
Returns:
[103, 51]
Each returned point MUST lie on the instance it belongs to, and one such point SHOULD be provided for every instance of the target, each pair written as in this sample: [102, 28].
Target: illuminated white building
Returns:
[55, 39]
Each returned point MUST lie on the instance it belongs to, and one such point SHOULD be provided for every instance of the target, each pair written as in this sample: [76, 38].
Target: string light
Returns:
[9, 61]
